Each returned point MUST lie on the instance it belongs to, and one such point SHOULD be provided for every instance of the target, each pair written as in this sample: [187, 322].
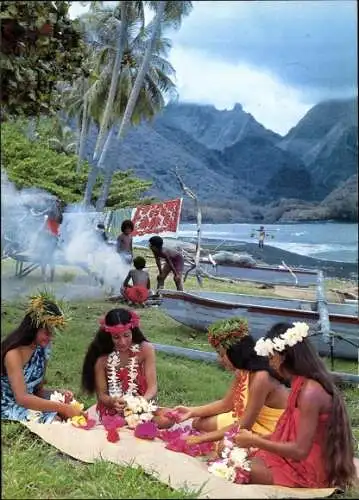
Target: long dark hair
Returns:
[103, 344]
[24, 334]
[302, 359]
[243, 356]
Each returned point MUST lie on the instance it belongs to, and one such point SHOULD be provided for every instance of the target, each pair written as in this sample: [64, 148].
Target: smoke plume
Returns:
[94, 266]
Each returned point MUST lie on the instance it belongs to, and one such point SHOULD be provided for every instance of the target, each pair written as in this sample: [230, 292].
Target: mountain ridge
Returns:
[238, 168]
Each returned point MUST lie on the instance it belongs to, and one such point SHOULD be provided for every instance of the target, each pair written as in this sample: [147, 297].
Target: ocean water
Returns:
[328, 241]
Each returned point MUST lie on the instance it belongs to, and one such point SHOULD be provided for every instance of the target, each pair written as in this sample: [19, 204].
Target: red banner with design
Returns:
[157, 218]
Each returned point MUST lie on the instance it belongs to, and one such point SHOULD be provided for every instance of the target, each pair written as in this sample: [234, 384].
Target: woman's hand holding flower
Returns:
[245, 439]
[183, 413]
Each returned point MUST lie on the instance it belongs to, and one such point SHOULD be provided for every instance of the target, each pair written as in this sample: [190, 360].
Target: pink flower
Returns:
[168, 435]
[89, 424]
[176, 442]
[242, 476]
[146, 430]
[172, 415]
[113, 422]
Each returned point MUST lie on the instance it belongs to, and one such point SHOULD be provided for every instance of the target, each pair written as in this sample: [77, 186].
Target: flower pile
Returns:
[266, 347]
[177, 440]
[77, 421]
[138, 410]
[234, 465]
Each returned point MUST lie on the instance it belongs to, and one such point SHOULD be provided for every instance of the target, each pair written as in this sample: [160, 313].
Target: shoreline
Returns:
[273, 256]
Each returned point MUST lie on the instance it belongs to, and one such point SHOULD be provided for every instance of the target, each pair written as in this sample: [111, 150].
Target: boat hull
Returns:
[263, 274]
[200, 310]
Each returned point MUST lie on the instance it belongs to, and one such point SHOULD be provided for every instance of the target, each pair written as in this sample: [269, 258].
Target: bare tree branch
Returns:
[191, 194]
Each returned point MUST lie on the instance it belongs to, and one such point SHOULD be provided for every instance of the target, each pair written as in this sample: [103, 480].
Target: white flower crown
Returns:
[266, 347]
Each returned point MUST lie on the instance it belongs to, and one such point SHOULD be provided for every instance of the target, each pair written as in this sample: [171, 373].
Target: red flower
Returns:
[113, 436]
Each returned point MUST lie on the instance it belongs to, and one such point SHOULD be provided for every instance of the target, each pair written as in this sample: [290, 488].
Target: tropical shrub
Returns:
[29, 162]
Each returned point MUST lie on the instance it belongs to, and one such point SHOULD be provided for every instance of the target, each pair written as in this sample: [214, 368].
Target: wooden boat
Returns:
[199, 309]
[276, 275]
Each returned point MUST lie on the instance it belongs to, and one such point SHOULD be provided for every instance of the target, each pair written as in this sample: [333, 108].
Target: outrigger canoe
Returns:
[199, 309]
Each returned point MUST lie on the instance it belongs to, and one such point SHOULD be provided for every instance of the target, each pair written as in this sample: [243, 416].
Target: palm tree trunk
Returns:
[101, 202]
[91, 181]
[107, 176]
[133, 99]
[114, 80]
[135, 92]
[83, 134]
[92, 177]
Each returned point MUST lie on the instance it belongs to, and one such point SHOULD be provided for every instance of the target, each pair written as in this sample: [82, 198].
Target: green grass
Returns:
[33, 469]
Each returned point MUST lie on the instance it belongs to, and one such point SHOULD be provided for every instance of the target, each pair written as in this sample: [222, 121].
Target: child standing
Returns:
[174, 262]
[124, 241]
[138, 292]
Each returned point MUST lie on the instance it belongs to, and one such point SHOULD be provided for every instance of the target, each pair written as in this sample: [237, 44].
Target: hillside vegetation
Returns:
[30, 162]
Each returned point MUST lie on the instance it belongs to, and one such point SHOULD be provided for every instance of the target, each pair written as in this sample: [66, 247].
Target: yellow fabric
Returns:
[266, 420]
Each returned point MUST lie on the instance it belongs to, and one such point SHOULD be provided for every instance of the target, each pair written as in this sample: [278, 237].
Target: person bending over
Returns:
[174, 262]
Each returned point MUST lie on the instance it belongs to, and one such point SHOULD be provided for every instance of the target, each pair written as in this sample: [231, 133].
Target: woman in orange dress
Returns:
[312, 445]
[256, 398]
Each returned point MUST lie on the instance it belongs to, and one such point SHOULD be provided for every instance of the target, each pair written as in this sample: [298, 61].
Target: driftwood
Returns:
[344, 294]
[291, 272]
[190, 194]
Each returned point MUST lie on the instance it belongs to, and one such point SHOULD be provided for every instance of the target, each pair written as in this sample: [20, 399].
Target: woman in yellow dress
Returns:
[256, 398]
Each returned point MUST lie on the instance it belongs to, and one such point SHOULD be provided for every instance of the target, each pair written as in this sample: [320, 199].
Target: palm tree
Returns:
[104, 21]
[168, 13]
[80, 103]
[157, 84]
[105, 45]
[128, 11]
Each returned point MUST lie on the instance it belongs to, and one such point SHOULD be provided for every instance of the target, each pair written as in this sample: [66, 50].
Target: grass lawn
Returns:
[33, 469]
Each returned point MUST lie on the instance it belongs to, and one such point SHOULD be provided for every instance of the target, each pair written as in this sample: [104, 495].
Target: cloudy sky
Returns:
[277, 58]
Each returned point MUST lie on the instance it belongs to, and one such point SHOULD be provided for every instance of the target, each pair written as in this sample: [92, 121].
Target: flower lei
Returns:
[114, 385]
[291, 337]
[137, 409]
[234, 465]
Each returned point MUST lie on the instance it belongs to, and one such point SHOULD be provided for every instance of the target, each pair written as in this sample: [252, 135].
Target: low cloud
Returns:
[206, 80]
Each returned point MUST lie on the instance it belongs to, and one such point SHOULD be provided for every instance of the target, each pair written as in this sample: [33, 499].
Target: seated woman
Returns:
[256, 398]
[120, 361]
[24, 355]
[312, 445]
